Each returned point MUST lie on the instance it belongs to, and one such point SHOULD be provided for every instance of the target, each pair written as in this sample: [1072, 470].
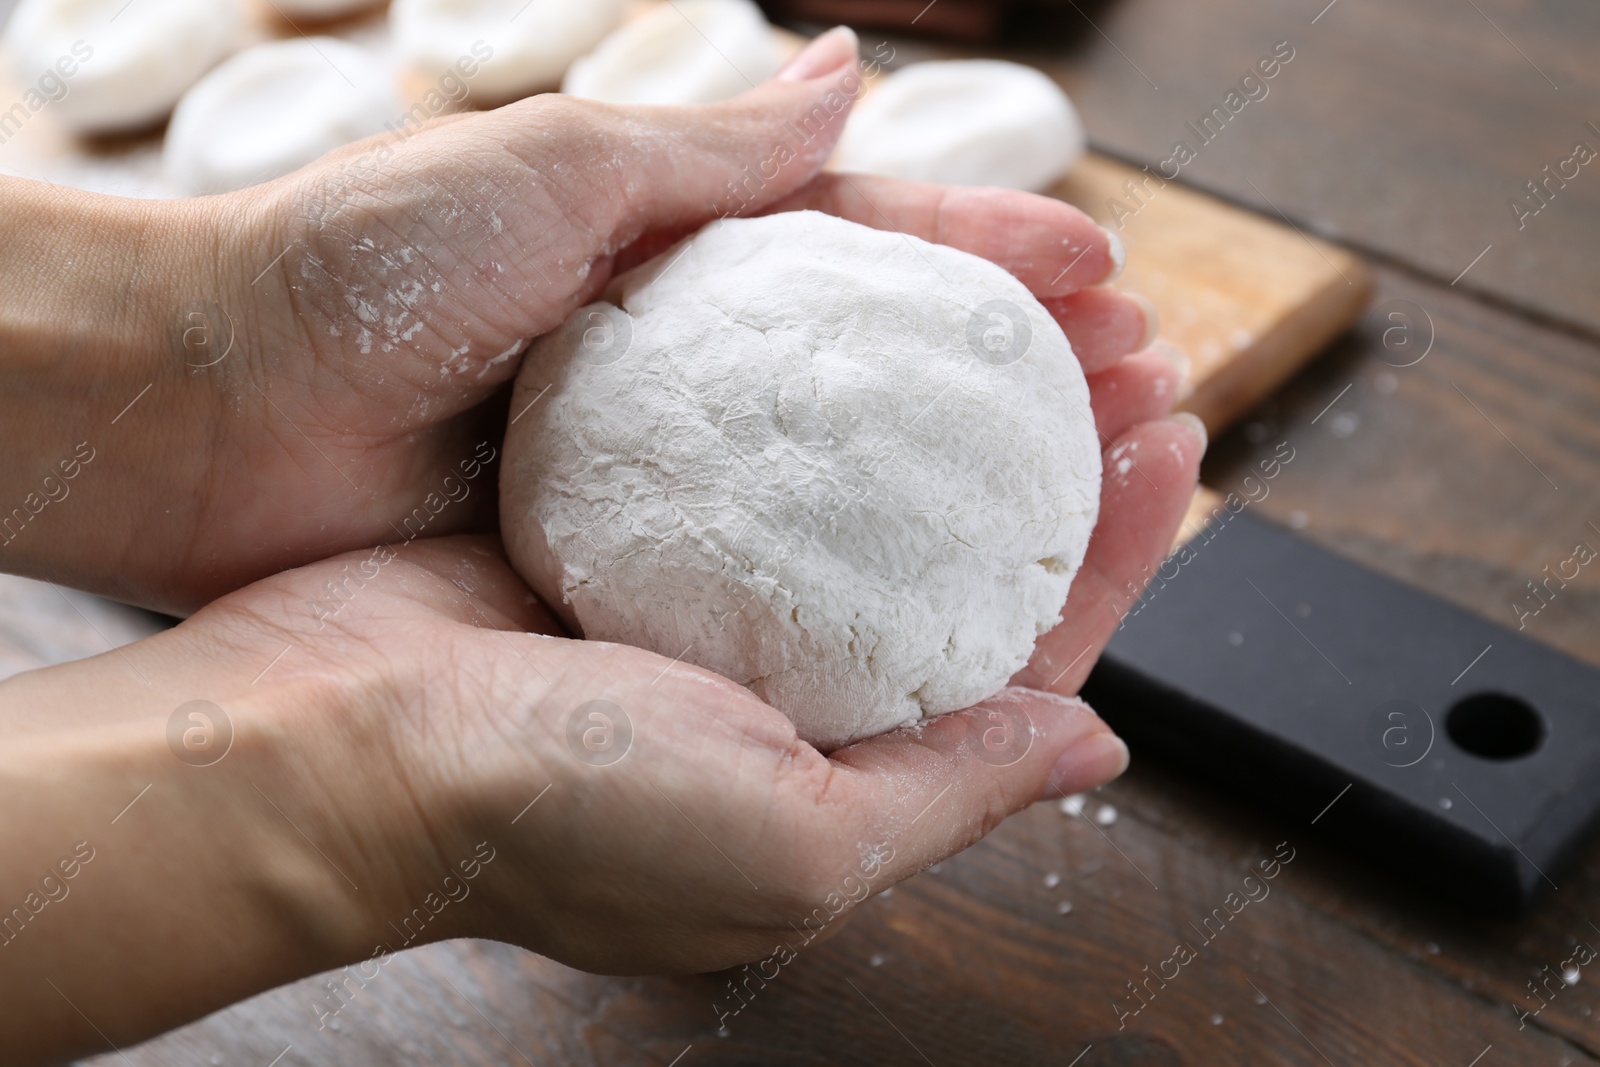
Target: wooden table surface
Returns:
[1402, 131]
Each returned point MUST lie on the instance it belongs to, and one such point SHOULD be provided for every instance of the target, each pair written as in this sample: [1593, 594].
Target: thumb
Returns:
[681, 166]
[477, 233]
[930, 791]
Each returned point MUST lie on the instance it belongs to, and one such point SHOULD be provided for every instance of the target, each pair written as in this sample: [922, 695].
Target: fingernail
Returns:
[1152, 320]
[1193, 424]
[1089, 762]
[1119, 255]
[827, 54]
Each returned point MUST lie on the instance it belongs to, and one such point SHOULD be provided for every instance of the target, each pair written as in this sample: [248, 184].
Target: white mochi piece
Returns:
[964, 122]
[274, 108]
[132, 60]
[531, 43]
[686, 52]
[851, 470]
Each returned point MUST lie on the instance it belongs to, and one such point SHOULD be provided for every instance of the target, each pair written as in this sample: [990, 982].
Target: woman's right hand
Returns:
[397, 747]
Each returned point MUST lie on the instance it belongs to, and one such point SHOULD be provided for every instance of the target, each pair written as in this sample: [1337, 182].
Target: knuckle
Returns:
[993, 806]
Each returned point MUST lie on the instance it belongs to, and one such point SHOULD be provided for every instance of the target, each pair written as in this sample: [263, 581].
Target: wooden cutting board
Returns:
[1250, 299]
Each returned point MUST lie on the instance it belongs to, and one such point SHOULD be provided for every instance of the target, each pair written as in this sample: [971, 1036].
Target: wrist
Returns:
[183, 901]
[94, 287]
[89, 280]
[207, 882]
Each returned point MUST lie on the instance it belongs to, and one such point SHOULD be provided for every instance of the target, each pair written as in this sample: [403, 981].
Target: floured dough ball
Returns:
[964, 122]
[130, 62]
[687, 52]
[529, 43]
[274, 108]
[851, 470]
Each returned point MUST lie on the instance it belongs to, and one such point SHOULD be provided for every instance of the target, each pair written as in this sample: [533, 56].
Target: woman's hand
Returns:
[272, 377]
[405, 753]
[395, 716]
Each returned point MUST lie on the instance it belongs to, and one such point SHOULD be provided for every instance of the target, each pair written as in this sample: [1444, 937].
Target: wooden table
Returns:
[1402, 131]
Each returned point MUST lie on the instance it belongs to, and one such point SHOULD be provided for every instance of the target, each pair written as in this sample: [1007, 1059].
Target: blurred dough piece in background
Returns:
[686, 52]
[964, 122]
[529, 43]
[272, 109]
[129, 62]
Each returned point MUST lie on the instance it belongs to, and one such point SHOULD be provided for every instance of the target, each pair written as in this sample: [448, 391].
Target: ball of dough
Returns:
[274, 108]
[688, 52]
[532, 41]
[851, 470]
[964, 122]
[132, 61]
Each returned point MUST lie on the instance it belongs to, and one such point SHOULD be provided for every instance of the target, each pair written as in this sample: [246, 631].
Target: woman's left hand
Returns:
[321, 363]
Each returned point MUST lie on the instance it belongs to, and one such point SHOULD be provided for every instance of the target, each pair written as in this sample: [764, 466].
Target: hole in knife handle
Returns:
[1495, 726]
